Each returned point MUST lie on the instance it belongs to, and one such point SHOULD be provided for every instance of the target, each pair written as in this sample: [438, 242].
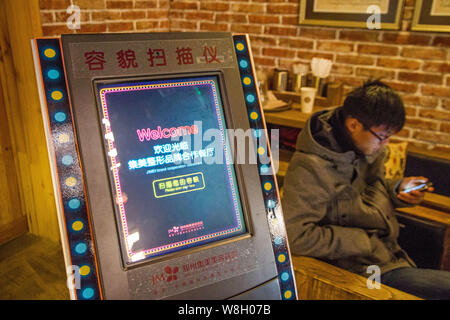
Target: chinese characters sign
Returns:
[145, 57]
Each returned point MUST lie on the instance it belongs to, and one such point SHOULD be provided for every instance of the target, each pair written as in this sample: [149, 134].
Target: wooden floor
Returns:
[32, 268]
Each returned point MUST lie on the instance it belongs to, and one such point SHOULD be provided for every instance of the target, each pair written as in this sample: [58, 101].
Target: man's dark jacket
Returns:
[338, 206]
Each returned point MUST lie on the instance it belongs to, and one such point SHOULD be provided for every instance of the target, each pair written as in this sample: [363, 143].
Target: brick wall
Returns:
[416, 64]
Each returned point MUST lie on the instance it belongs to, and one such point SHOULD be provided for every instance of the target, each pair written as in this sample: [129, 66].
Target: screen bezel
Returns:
[241, 189]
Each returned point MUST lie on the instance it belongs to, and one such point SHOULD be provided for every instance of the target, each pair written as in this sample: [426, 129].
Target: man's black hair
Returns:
[375, 104]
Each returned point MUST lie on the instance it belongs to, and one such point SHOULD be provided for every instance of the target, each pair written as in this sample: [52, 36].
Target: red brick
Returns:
[230, 17]
[441, 67]
[375, 73]
[284, 8]
[406, 38]
[55, 30]
[246, 28]
[185, 5]
[289, 20]
[420, 77]
[158, 14]
[263, 18]
[264, 61]
[445, 127]
[421, 124]
[133, 15]
[350, 81]
[364, 36]
[296, 43]
[146, 4]
[179, 25]
[421, 101]
[214, 6]
[402, 86]
[281, 31]
[335, 46]
[398, 63]
[105, 15]
[209, 26]
[424, 53]
[308, 55]
[432, 137]
[275, 52]
[446, 104]
[262, 40]
[149, 25]
[93, 27]
[120, 26]
[317, 33]
[435, 114]
[442, 41]
[244, 7]
[90, 4]
[355, 59]
[53, 4]
[119, 4]
[436, 91]
[341, 69]
[377, 49]
[47, 17]
[198, 15]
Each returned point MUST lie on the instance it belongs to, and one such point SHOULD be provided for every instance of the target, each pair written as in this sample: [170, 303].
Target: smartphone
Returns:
[420, 187]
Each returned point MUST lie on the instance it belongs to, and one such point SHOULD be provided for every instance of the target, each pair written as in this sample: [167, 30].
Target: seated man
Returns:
[337, 204]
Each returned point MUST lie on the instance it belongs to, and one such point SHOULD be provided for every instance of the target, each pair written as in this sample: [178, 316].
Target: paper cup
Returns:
[308, 95]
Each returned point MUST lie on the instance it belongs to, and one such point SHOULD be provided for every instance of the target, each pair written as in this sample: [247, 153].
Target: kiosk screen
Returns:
[172, 177]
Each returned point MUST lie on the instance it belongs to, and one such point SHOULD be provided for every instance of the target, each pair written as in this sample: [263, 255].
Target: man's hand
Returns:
[415, 196]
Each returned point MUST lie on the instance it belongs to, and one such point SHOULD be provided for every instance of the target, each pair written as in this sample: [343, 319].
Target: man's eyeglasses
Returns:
[377, 136]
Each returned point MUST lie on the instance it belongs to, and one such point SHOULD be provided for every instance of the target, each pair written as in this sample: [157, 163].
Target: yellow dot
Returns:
[254, 115]
[77, 225]
[247, 81]
[85, 270]
[50, 53]
[63, 138]
[261, 150]
[71, 181]
[240, 46]
[281, 258]
[57, 95]
[287, 294]
[267, 186]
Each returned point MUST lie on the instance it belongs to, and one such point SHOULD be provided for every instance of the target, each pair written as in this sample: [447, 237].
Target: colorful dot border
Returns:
[267, 176]
[76, 234]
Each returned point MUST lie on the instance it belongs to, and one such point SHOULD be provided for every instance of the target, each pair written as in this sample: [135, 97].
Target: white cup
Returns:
[308, 95]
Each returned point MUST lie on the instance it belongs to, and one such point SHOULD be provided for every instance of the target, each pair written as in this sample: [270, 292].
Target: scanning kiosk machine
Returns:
[152, 203]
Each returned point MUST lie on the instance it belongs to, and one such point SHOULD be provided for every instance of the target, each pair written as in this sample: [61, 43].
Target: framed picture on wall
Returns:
[432, 15]
[367, 14]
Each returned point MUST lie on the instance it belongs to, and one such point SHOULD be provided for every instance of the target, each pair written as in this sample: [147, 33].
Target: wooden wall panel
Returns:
[20, 22]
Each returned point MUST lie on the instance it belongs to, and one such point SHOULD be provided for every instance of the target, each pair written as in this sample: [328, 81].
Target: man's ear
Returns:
[352, 124]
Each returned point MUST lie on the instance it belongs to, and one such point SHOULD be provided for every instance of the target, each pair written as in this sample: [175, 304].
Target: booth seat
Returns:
[424, 234]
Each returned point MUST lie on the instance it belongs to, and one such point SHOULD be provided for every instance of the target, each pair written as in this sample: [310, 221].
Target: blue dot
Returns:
[53, 74]
[60, 116]
[74, 204]
[257, 133]
[285, 276]
[250, 98]
[278, 240]
[67, 160]
[88, 293]
[243, 63]
[264, 169]
[271, 204]
[81, 248]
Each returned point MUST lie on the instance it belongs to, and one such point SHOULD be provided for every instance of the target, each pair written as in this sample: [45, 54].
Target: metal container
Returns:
[280, 80]
[298, 81]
